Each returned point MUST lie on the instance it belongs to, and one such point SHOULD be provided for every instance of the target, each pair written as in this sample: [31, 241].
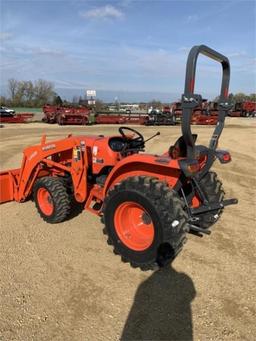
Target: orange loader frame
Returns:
[17, 184]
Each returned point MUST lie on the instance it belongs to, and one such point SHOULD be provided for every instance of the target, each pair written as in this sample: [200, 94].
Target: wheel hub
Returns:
[45, 201]
[146, 218]
[134, 226]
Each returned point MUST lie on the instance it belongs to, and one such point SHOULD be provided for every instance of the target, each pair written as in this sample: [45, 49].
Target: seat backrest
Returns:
[179, 149]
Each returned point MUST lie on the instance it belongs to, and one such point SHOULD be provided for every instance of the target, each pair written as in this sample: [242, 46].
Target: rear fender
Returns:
[162, 167]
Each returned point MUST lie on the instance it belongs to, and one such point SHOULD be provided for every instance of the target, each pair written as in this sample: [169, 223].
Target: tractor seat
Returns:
[201, 151]
[179, 149]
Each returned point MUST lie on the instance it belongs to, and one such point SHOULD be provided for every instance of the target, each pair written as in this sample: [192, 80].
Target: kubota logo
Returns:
[49, 147]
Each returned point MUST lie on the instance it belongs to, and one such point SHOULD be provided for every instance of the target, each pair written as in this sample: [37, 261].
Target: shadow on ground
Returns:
[161, 308]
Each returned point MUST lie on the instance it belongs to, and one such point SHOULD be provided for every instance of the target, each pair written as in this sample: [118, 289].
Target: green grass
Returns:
[33, 110]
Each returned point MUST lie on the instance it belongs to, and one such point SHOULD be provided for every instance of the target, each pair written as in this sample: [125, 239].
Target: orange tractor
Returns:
[148, 203]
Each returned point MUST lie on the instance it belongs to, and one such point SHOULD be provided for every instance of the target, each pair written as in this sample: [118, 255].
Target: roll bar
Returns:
[191, 69]
[190, 100]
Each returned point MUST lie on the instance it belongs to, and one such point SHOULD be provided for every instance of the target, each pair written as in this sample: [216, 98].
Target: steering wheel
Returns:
[139, 137]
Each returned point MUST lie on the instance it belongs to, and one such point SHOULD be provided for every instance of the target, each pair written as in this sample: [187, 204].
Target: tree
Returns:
[99, 105]
[19, 98]
[57, 100]
[3, 101]
[231, 98]
[28, 93]
[155, 104]
[44, 92]
[82, 101]
[75, 100]
[252, 97]
[240, 97]
[13, 87]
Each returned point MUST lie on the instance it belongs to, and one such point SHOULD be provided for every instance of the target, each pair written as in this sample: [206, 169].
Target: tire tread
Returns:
[168, 205]
[61, 199]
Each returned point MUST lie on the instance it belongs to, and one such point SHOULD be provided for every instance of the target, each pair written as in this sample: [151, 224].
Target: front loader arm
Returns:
[40, 161]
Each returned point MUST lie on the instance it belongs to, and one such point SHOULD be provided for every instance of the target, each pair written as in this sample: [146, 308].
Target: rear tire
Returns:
[157, 208]
[52, 200]
[214, 192]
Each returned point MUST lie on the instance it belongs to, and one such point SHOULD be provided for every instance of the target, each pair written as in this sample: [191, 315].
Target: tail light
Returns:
[189, 166]
[223, 155]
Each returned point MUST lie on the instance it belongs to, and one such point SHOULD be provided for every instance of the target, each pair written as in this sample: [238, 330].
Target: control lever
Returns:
[150, 138]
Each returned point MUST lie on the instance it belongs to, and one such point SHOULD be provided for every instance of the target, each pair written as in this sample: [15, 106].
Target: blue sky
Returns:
[131, 49]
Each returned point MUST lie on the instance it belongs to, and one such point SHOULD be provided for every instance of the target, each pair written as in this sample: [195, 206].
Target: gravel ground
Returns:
[62, 282]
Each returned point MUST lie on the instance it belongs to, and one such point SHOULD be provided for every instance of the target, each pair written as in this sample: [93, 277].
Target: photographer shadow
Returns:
[162, 308]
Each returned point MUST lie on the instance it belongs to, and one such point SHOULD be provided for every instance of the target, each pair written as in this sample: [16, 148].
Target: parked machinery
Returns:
[120, 118]
[9, 116]
[71, 115]
[244, 109]
[200, 114]
[66, 115]
[164, 117]
[212, 108]
[49, 113]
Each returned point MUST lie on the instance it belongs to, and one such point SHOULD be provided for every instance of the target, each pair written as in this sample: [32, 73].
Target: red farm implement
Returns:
[213, 108]
[120, 118]
[49, 113]
[244, 109]
[200, 114]
[199, 119]
[72, 116]
[16, 118]
[66, 115]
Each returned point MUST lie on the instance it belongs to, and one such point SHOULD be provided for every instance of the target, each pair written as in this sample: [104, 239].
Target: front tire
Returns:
[145, 222]
[52, 200]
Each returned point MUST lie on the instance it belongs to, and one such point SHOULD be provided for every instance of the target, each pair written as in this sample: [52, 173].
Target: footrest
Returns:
[228, 202]
[213, 206]
[198, 229]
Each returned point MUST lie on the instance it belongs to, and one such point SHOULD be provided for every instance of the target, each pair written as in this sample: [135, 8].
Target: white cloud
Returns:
[125, 3]
[5, 36]
[192, 18]
[47, 51]
[184, 49]
[25, 50]
[103, 12]
[237, 54]
[156, 63]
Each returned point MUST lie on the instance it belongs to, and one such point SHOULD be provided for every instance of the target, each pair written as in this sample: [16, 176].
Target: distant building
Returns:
[124, 107]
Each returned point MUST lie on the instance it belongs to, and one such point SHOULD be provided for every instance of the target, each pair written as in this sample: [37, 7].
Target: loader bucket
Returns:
[7, 179]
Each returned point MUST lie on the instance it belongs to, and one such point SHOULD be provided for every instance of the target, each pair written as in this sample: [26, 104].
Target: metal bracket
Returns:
[213, 206]
[198, 229]
[190, 102]
[226, 106]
